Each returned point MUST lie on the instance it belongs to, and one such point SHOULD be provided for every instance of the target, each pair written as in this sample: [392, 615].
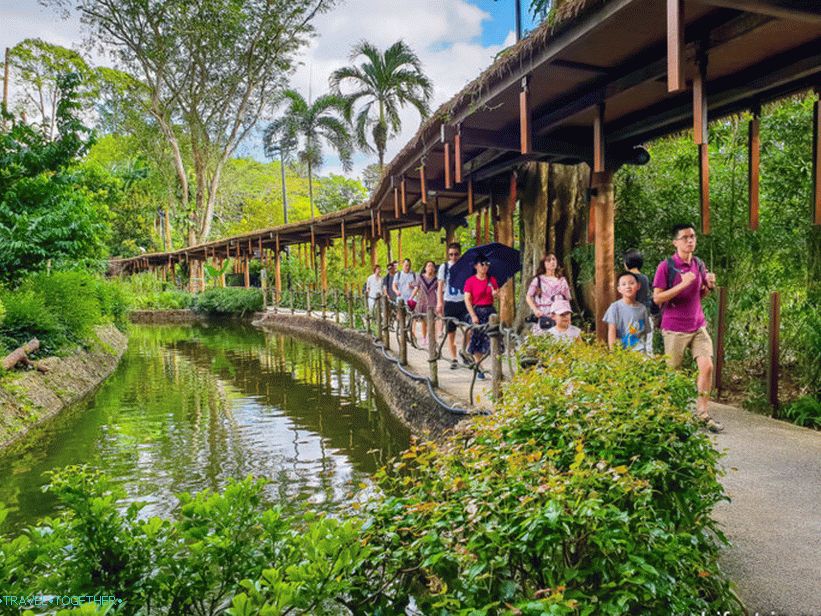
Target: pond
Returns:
[190, 407]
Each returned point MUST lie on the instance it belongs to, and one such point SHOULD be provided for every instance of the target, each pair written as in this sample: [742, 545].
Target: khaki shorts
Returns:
[675, 343]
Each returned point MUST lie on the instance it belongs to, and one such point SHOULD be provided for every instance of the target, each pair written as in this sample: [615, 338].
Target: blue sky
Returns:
[502, 22]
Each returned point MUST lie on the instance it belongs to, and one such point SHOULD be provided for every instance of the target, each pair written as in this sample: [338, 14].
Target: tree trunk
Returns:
[20, 355]
[553, 210]
[311, 188]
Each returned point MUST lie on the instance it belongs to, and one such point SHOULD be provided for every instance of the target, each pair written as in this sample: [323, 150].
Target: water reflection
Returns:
[192, 406]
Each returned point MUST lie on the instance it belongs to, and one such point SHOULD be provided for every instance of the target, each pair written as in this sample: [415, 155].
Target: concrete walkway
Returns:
[773, 476]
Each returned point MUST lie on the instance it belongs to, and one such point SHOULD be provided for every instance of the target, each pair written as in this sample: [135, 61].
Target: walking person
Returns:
[627, 318]
[563, 329]
[387, 282]
[633, 262]
[450, 301]
[548, 285]
[425, 295]
[680, 283]
[404, 283]
[480, 291]
[373, 287]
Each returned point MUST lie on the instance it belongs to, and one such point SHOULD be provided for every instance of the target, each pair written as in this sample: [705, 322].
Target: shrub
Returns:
[805, 412]
[27, 317]
[230, 300]
[2, 312]
[72, 298]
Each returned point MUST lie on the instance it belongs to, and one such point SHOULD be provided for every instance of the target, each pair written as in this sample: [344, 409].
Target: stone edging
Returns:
[30, 398]
[410, 401]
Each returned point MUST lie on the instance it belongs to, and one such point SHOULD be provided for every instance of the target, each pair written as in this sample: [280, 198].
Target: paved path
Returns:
[773, 476]
[774, 520]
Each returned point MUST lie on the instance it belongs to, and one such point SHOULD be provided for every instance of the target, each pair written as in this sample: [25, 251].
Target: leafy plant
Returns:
[228, 301]
[805, 411]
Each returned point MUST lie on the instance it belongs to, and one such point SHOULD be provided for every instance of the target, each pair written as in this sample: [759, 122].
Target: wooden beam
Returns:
[470, 195]
[403, 197]
[704, 186]
[422, 184]
[396, 202]
[604, 250]
[675, 45]
[507, 141]
[525, 134]
[753, 167]
[598, 140]
[457, 155]
[448, 178]
[797, 10]
[700, 104]
[278, 270]
[436, 213]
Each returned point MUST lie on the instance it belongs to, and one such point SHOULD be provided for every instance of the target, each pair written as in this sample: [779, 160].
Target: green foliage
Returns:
[337, 192]
[2, 312]
[805, 411]
[60, 309]
[46, 213]
[228, 301]
[588, 492]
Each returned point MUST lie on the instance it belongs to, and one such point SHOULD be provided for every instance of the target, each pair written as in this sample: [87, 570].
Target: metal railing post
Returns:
[432, 358]
[402, 326]
[495, 356]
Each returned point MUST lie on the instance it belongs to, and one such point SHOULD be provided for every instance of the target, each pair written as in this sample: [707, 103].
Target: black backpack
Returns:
[657, 311]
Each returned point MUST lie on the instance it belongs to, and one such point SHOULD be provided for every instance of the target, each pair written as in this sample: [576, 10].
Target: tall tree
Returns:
[280, 141]
[326, 119]
[38, 67]
[384, 82]
[211, 67]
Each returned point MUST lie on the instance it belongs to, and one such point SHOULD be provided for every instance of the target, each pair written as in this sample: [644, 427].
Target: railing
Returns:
[391, 322]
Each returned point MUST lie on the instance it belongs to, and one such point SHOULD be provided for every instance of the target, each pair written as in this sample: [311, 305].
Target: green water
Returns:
[191, 406]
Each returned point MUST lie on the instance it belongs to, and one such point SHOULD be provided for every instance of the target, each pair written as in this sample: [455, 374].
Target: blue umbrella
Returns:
[504, 262]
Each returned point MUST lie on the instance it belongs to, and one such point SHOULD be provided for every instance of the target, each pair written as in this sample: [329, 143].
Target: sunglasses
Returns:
[485, 263]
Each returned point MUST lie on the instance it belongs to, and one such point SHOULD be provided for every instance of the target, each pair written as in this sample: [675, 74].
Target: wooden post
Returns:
[399, 244]
[362, 251]
[479, 216]
[308, 300]
[379, 223]
[401, 315]
[278, 272]
[816, 160]
[351, 315]
[423, 184]
[753, 166]
[386, 322]
[470, 195]
[246, 271]
[448, 177]
[313, 250]
[700, 104]
[526, 138]
[675, 45]
[495, 358]
[396, 203]
[721, 328]
[374, 240]
[487, 223]
[773, 351]
[323, 266]
[598, 140]
[336, 306]
[604, 250]
[403, 200]
[373, 224]
[424, 216]
[507, 302]
[457, 155]
[436, 213]
[432, 360]
[378, 315]
[263, 284]
[704, 186]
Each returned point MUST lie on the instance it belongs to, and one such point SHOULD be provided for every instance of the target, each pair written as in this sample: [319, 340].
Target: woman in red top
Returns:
[480, 291]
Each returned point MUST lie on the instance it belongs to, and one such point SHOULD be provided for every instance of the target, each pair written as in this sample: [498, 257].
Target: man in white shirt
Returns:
[373, 287]
[450, 301]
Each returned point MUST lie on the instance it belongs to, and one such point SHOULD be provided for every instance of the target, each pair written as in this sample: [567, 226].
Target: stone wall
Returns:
[29, 398]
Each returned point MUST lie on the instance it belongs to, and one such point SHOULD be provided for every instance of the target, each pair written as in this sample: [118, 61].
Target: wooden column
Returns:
[246, 270]
[675, 45]
[323, 265]
[816, 160]
[374, 240]
[424, 216]
[362, 251]
[457, 155]
[773, 352]
[753, 167]
[704, 186]
[344, 246]
[507, 303]
[278, 271]
[403, 200]
[525, 135]
[448, 177]
[470, 195]
[423, 184]
[700, 137]
[436, 213]
[399, 244]
[396, 203]
[379, 223]
[598, 140]
[479, 216]
[373, 223]
[604, 250]
[313, 249]
[487, 222]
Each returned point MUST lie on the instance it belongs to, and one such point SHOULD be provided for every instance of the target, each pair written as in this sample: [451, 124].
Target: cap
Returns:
[561, 306]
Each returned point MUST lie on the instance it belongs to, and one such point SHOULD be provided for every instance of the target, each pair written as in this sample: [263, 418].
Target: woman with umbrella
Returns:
[480, 291]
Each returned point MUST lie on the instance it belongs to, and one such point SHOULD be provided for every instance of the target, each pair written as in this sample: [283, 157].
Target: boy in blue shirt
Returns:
[627, 318]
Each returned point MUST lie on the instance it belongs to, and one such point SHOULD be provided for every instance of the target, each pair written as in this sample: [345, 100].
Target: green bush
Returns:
[228, 301]
[27, 317]
[805, 412]
[73, 300]
[588, 492]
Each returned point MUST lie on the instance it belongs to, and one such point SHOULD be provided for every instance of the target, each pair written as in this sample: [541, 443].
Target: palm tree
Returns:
[326, 119]
[386, 82]
[279, 140]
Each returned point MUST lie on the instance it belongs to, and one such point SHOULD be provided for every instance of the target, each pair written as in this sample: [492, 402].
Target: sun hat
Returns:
[561, 306]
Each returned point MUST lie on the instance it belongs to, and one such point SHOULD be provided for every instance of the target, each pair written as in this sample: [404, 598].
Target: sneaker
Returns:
[711, 424]
[480, 375]
[454, 364]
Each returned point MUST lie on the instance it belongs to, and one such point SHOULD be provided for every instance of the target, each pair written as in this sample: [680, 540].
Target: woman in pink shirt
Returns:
[548, 285]
[480, 291]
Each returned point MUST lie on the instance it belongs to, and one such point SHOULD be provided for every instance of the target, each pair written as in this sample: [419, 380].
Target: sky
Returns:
[455, 40]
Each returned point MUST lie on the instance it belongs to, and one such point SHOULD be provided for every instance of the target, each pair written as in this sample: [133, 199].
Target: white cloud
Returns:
[445, 35]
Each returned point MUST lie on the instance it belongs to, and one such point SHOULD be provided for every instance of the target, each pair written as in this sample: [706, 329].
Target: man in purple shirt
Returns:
[678, 286]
